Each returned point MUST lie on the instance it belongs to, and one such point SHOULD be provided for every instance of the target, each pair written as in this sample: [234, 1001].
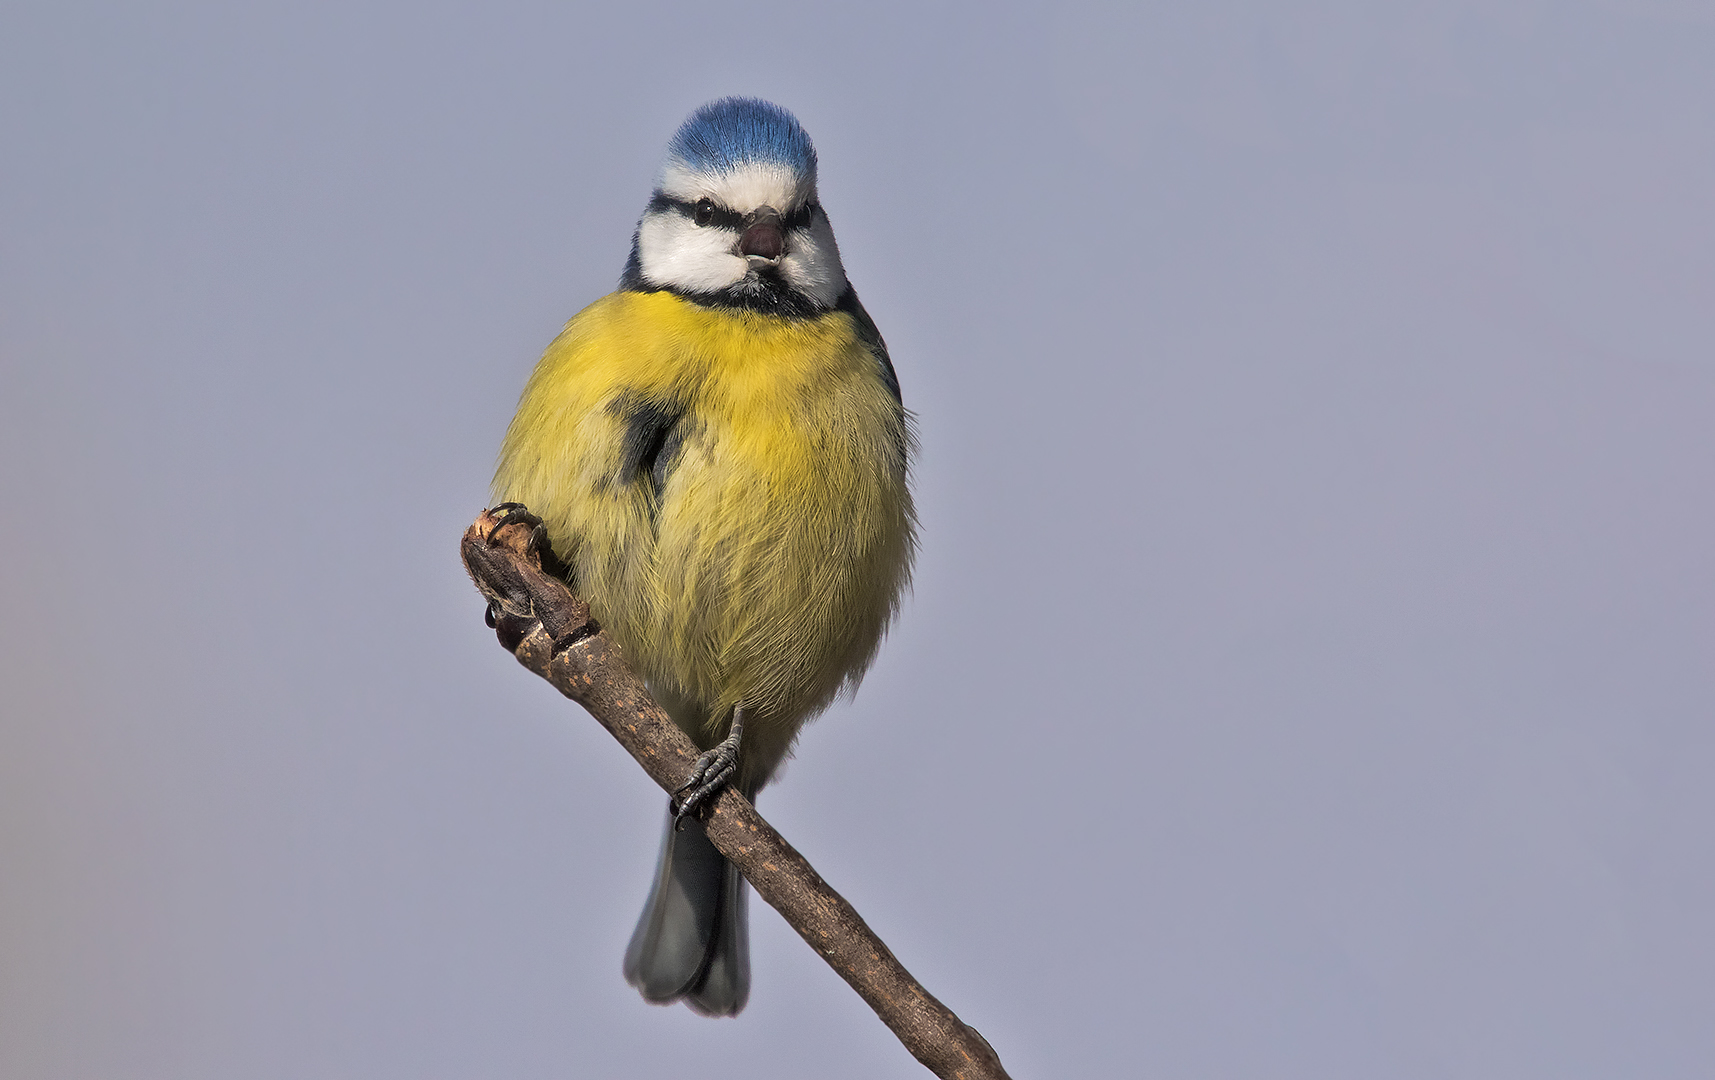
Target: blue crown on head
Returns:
[725, 134]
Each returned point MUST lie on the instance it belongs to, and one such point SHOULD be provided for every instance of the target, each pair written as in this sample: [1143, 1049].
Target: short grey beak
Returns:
[764, 238]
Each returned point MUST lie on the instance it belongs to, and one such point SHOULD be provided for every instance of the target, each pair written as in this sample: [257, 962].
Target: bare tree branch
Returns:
[549, 629]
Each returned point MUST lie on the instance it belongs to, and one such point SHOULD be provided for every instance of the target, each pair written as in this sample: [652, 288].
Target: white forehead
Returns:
[743, 187]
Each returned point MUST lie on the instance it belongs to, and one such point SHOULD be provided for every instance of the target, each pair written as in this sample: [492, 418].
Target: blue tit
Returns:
[718, 454]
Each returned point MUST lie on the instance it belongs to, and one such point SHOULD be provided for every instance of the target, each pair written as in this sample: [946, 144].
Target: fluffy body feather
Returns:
[728, 491]
[718, 453]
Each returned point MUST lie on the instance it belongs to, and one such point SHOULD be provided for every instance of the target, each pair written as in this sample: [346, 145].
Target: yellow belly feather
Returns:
[766, 569]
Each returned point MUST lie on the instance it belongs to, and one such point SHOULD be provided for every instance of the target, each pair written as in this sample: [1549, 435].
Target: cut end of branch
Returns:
[507, 570]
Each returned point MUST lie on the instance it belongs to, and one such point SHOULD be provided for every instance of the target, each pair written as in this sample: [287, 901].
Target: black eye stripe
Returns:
[706, 212]
[710, 213]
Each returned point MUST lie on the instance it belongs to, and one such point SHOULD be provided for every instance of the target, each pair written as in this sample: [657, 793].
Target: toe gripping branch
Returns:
[712, 772]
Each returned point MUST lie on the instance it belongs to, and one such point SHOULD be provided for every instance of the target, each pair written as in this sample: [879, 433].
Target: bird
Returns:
[716, 458]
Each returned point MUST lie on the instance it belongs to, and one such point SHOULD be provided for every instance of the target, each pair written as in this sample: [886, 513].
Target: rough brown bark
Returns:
[549, 629]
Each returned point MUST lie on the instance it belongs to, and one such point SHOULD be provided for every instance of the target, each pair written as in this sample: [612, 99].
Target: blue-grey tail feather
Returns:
[692, 943]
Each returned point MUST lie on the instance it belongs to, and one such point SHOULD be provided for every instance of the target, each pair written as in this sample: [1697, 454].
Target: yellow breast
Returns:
[729, 491]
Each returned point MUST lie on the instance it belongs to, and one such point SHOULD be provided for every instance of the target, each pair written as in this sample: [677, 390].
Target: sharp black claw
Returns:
[713, 771]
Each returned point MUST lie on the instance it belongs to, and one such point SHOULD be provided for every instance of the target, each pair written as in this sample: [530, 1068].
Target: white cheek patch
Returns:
[812, 264]
[675, 252]
[743, 188]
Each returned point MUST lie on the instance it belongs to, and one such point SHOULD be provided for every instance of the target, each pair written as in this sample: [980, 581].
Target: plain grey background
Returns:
[1311, 665]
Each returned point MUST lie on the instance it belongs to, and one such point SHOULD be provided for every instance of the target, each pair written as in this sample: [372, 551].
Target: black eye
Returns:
[705, 212]
[802, 216]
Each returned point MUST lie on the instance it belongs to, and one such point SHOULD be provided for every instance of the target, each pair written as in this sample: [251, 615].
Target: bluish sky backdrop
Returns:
[1311, 668]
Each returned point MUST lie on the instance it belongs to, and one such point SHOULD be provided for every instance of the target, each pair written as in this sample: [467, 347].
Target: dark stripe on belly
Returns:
[650, 445]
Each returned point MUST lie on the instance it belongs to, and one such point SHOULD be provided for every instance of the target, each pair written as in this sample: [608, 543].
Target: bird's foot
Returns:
[712, 772]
